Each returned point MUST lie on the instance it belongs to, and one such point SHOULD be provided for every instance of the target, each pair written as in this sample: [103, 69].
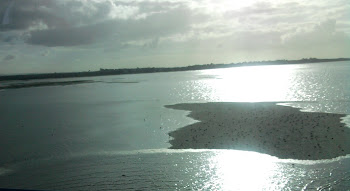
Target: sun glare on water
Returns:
[250, 84]
[245, 170]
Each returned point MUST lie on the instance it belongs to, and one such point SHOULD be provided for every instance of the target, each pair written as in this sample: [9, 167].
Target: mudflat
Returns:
[265, 127]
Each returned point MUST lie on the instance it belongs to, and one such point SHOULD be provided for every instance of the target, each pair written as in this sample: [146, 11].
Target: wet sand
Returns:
[280, 131]
[59, 83]
[39, 84]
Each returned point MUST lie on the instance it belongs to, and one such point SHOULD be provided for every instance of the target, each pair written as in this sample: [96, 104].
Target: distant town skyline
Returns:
[79, 35]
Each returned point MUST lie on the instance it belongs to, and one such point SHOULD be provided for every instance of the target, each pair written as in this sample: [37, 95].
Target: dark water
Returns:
[99, 135]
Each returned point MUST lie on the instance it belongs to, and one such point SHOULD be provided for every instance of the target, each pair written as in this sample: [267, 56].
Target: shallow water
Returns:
[87, 136]
[179, 170]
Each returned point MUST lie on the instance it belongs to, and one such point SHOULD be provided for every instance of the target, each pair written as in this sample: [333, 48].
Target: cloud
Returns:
[154, 26]
[61, 37]
[8, 39]
[26, 14]
[107, 31]
[152, 44]
[8, 58]
[322, 34]
[6, 19]
[82, 22]
[45, 53]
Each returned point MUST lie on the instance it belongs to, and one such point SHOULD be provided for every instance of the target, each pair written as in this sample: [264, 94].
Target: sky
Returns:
[39, 36]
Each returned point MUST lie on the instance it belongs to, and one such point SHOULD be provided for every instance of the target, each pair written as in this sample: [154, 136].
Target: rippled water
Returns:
[180, 170]
[98, 136]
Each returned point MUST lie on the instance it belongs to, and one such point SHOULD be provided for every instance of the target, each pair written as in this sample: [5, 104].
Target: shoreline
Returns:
[281, 131]
[46, 83]
[124, 71]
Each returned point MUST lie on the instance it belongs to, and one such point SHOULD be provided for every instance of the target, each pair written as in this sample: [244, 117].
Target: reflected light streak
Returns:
[244, 170]
[251, 84]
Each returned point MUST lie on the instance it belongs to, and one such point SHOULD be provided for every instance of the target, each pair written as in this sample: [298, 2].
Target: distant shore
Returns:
[280, 131]
[104, 72]
[40, 84]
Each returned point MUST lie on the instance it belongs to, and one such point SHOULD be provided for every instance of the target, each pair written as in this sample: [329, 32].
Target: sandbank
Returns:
[39, 84]
[280, 131]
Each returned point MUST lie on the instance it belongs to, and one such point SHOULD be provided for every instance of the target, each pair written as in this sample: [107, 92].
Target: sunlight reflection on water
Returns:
[314, 87]
[253, 84]
[314, 82]
[236, 169]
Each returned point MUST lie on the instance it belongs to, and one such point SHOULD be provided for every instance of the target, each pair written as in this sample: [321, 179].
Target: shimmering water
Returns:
[114, 135]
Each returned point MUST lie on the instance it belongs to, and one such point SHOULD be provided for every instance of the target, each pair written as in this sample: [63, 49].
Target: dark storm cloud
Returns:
[9, 39]
[61, 37]
[52, 13]
[77, 22]
[153, 26]
[25, 14]
[57, 13]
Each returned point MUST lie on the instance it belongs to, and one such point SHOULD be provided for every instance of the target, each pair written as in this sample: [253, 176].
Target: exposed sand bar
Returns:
[280, 131]
[57, 83]
[39, 84]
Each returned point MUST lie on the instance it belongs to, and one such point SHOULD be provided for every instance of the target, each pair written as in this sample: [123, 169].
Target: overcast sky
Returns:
[80, 35]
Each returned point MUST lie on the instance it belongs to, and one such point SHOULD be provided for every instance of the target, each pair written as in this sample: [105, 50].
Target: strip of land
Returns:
[39, 84]
[104, 72]
[280, 131]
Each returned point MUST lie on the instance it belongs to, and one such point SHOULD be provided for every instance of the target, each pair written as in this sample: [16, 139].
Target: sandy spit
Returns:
[280, 131]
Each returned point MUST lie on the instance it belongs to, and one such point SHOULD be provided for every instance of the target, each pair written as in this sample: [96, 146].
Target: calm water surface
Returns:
[114, 135]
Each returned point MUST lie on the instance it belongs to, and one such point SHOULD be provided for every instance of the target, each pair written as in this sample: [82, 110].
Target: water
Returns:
[113, 135]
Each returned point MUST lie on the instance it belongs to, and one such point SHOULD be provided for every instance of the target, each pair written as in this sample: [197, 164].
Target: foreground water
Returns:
[113, 134]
